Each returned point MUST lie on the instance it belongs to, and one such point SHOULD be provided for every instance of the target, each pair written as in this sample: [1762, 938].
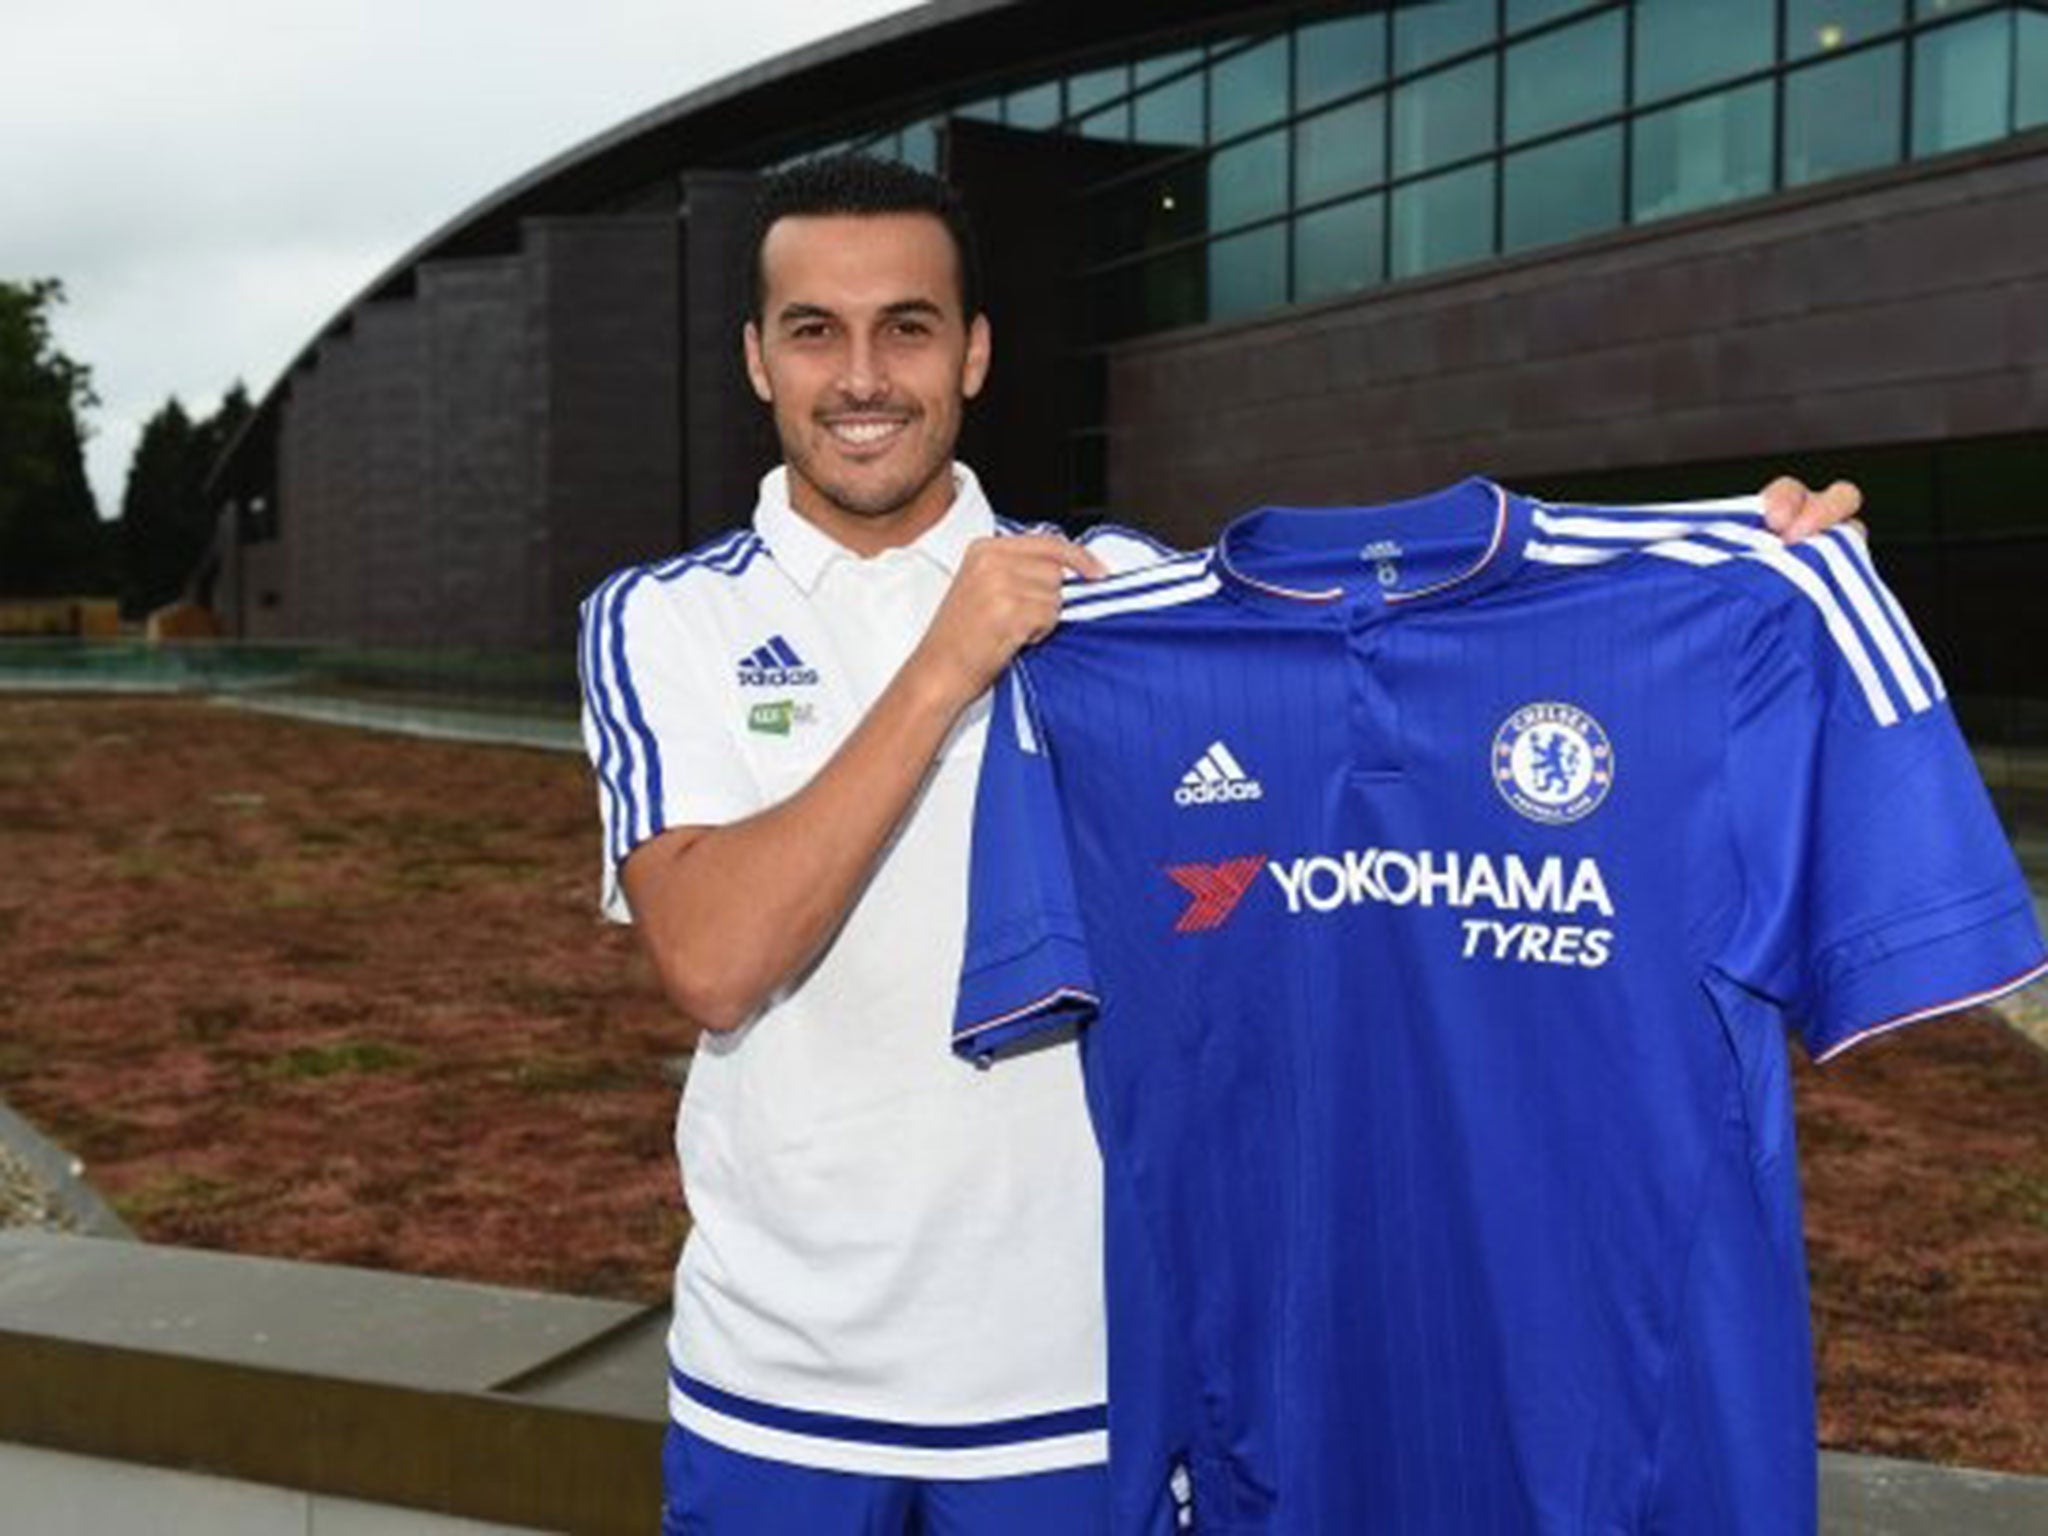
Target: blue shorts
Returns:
[712, 1491]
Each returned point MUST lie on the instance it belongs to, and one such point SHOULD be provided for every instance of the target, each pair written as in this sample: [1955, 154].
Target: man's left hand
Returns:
[1796, 513]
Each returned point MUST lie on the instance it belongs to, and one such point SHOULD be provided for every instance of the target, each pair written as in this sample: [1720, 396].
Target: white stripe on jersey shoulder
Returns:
[1023, 710]
[1151, 574]
[1831, 570]
[1165, 585]
[1833, 573]
[1584, 535]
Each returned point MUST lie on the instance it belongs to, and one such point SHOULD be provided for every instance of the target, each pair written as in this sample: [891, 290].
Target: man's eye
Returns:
[810, 330]
[912, 328]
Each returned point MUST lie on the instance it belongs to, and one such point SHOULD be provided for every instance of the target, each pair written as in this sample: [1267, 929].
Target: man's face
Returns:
[864, 354]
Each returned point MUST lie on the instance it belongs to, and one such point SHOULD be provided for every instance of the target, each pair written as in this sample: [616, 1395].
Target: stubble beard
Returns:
[847, 493]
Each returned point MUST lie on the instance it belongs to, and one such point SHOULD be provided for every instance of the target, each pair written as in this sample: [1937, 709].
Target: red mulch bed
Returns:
[309, 992]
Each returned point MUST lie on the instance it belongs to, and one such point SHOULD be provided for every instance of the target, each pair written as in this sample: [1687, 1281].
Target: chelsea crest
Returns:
[1552, 762]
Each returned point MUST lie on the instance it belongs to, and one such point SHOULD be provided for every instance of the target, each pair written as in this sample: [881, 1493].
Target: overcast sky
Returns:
[213, 179]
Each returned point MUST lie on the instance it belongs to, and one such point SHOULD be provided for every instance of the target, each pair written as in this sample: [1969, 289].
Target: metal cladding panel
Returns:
[1905, 307]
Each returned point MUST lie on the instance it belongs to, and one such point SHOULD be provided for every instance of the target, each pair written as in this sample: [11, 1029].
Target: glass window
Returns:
[1528, 13]
[1248, 88]
[2031, 109]
[1565, 77]
[921, 145]
[1155, 210]
[1843, 116]
[1443, 222]
[1145, 71]
[1681, 44]
[1113, 123]
[1341, 249]
[1962, 78]
[1091, 90]
[1932, 10]
[1170, 114]
[1036, 107]
[1713, 150]
[1336, 58]
[1428, 30]
[1248, 273]
[1560, 191]
[1248, 181]
[1340, 151]
[988, 110]
[1822, 26]
[1444, 117]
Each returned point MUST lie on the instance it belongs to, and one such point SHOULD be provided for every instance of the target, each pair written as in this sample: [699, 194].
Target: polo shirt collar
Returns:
[805, 551]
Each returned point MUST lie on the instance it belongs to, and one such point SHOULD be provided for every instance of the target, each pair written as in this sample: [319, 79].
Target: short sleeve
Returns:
[1026, 966]
[1878, 886]
[651, 726]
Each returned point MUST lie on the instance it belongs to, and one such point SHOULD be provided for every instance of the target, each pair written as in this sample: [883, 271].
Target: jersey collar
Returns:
[805, 551]
[1500, 523]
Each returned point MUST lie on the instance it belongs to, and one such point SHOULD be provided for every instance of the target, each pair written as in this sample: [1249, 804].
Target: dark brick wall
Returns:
[728, 438]
[390, 518]
[460, 466]
[480, 480]
[608, 415]
[1907, 306]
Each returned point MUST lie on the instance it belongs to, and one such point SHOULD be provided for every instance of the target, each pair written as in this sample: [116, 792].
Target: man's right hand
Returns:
[1005, 596]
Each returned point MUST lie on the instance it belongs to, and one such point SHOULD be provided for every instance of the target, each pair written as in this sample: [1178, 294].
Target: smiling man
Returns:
[889, 1312]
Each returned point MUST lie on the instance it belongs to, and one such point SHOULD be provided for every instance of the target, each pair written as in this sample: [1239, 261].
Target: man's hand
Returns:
[730, 913]
[1005, 595]
[1796, 513]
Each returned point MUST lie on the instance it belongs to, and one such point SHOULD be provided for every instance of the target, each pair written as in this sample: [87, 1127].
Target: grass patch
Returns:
[568, 1074]
[179, 1194]
[2015, 1194]
[343, 1057]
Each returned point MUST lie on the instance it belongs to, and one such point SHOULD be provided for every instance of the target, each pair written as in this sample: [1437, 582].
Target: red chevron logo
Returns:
[1214, 890]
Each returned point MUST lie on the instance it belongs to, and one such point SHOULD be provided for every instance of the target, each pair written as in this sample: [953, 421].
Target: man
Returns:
[786, 726]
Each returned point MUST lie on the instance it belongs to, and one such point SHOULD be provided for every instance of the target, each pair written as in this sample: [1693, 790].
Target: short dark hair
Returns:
[860, 184]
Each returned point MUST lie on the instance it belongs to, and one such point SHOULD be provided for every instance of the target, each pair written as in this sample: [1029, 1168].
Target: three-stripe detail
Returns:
[1832, 571]
[775, 653]
[629, 767]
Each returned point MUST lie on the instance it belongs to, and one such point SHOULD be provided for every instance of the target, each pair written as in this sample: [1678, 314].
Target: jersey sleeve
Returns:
[650, 725]
[1026, 968]
[1878, 886]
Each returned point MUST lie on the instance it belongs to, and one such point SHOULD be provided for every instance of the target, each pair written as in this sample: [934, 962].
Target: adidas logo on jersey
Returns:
[1216, 778]
[775, 664]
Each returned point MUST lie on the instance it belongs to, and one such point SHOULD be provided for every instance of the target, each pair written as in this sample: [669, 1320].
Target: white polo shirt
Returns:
[895, 1264]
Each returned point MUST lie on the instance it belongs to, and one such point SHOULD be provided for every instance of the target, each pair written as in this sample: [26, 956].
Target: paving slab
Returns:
[48, 1184]
[310, 1319]
[1876, 1496]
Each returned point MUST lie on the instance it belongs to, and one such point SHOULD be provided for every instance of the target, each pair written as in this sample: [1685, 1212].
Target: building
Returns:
[1242, 253]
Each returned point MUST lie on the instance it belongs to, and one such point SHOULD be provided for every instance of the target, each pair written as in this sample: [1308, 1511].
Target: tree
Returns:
[51, 542]
[166, 520]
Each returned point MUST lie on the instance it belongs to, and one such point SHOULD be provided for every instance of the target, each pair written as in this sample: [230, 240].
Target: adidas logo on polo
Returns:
[775, 664]
[1216, 777]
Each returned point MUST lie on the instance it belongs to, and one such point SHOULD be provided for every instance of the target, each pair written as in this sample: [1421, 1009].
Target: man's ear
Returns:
[975, 370]
[757, 369]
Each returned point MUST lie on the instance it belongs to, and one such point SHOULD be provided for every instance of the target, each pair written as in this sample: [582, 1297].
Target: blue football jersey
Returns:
[1436, 884]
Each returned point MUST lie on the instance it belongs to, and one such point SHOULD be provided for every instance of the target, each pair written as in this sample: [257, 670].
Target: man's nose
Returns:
[865, 376]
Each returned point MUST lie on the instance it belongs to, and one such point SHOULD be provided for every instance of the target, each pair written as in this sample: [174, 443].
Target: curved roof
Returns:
[865, 76]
